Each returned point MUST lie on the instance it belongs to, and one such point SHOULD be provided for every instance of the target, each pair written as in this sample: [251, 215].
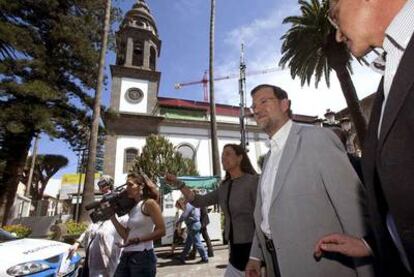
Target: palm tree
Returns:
[214, 143]
[88, 190]
[310, 50]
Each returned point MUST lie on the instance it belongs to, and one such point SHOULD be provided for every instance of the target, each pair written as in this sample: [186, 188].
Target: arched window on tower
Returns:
[138, 54]
[187, 151]
[140, 22]
[153, 58]
[120, 57]
[129, 158]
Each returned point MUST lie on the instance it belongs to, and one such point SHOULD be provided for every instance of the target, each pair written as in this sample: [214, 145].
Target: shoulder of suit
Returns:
[310, 130]
[224, 183]
[322, 137]
[318, 135]
[251, 177]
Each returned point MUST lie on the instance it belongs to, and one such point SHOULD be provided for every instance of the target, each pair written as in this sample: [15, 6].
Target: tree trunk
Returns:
[16, 148]
[354, 107]
[214, 140]
[35, 204]
[32, 166]
[88, 190]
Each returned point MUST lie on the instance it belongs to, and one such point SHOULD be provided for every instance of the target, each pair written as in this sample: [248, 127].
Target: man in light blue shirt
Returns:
[191, 217]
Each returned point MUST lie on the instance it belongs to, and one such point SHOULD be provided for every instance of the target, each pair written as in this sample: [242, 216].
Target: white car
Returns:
[35, 257]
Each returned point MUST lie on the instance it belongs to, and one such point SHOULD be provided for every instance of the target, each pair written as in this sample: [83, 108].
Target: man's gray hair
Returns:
[106, 180]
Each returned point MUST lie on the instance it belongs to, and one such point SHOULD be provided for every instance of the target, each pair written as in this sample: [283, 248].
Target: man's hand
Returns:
[73, 249]
[344, 244]
[171, 179]
[252, 268]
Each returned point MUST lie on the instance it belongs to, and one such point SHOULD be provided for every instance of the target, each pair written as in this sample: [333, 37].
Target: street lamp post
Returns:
[85, 134]
[346, 125]
[81, 167]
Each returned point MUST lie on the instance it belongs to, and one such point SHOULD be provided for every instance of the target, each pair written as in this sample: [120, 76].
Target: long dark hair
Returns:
[139, 179]
[245, 164]
[146, 192]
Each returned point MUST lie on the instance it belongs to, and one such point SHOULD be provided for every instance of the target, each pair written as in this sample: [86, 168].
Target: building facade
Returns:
[141, 111]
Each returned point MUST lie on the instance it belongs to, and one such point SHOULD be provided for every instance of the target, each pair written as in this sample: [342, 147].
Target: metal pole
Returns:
[78, 170]
[81, 169]
[57, 204]
[242, 86]
[32, 165]
[213, 124]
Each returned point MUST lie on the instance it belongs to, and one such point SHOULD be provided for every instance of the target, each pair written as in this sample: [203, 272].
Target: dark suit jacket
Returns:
[388, 167]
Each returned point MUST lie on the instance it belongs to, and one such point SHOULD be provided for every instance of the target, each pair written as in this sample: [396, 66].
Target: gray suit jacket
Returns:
[243, 198]
[316, 192]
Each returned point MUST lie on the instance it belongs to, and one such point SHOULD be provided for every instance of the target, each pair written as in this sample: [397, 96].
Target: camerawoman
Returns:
[144, 225]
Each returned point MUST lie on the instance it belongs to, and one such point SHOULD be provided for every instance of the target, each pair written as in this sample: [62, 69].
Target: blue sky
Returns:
[183, 27]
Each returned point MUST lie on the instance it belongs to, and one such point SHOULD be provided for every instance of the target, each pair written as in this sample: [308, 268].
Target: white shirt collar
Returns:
[278, 140]
[397, 36]
[401, 28]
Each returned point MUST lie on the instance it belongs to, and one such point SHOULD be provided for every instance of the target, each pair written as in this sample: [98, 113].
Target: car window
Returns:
[6, 236]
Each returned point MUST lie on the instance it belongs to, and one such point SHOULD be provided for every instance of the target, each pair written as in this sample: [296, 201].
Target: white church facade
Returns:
[141, 111]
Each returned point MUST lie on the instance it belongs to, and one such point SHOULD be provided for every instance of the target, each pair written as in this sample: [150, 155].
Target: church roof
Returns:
[221, 109]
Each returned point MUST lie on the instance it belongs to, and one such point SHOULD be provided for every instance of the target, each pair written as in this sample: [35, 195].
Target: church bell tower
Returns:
[135, 84]
[135, 79]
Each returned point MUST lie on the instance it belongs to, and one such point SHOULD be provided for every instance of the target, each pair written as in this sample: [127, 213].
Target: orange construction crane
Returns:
[204, 81]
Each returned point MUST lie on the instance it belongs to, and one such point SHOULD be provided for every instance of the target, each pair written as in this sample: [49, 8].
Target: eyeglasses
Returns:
[333, 22]
[331, 15]
[261, 102]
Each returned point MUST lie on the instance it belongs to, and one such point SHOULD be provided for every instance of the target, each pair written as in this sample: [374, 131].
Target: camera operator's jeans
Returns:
[194, 237]
[137, 263]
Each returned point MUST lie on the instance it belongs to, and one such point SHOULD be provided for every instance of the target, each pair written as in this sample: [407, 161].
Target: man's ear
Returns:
[285, 104]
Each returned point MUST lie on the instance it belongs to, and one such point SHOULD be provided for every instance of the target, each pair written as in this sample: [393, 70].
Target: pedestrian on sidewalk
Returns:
[236, 196]
[179, 235]
[205, 220]
[191, 217]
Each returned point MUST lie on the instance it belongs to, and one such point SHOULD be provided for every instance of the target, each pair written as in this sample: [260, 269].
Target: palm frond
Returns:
[309, 48]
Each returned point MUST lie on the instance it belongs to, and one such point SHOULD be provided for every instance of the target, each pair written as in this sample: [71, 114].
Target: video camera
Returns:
[113, 202]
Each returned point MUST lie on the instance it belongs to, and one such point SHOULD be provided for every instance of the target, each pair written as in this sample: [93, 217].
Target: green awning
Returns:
[195, 182]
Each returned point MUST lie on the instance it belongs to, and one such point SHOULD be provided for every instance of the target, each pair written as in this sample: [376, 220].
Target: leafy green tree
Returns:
[46, 166]
[310, 50]
[49, 53]
[159, 156]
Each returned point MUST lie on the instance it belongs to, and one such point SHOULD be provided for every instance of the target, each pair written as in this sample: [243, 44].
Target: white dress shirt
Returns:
[267, 182]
